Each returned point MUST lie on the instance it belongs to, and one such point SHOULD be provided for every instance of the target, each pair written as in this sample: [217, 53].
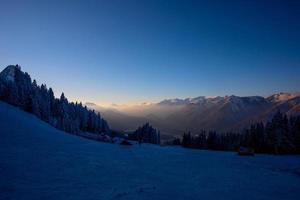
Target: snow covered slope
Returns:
[40, 162]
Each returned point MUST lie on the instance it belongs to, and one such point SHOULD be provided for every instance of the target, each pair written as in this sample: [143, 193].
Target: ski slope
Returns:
[40, 162]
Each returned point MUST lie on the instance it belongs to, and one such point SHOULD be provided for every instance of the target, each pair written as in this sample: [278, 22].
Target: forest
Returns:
[281, 135]
[26, 94]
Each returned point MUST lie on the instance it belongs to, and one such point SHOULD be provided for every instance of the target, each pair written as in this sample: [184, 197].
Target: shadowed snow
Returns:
[40, 162]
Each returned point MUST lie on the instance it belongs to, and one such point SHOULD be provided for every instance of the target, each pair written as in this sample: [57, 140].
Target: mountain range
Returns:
[172, 117]
[222, 114]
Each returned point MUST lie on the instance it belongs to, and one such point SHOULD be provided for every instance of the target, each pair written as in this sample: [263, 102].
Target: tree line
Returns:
[145, 133]
[281, 135]
[71, 117]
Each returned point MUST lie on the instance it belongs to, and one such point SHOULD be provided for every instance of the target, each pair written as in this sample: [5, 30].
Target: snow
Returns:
[218, 99]
[282, 97]
[40, 162]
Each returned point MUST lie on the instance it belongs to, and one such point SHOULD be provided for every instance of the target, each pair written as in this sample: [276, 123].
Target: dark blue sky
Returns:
[133, 51]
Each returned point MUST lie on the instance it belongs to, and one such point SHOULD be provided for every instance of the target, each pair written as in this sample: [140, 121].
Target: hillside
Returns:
[17, 88]
[38, 161]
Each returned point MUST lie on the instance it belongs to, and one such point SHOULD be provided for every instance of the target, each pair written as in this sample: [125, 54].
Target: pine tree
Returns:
[186, 140]
[35, 105]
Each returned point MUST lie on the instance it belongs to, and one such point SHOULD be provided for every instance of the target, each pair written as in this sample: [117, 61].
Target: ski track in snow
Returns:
[40, 162]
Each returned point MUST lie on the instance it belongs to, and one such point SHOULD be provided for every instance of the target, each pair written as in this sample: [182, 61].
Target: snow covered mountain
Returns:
[220, 113]
[232, 112]
[228, 113]
[282, 97]
[38, 161]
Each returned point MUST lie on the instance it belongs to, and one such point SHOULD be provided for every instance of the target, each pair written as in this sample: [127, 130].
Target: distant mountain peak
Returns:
[282, 97]
[175, 101]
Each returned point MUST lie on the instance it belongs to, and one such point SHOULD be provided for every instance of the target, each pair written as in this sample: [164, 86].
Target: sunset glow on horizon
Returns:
[130, 52]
